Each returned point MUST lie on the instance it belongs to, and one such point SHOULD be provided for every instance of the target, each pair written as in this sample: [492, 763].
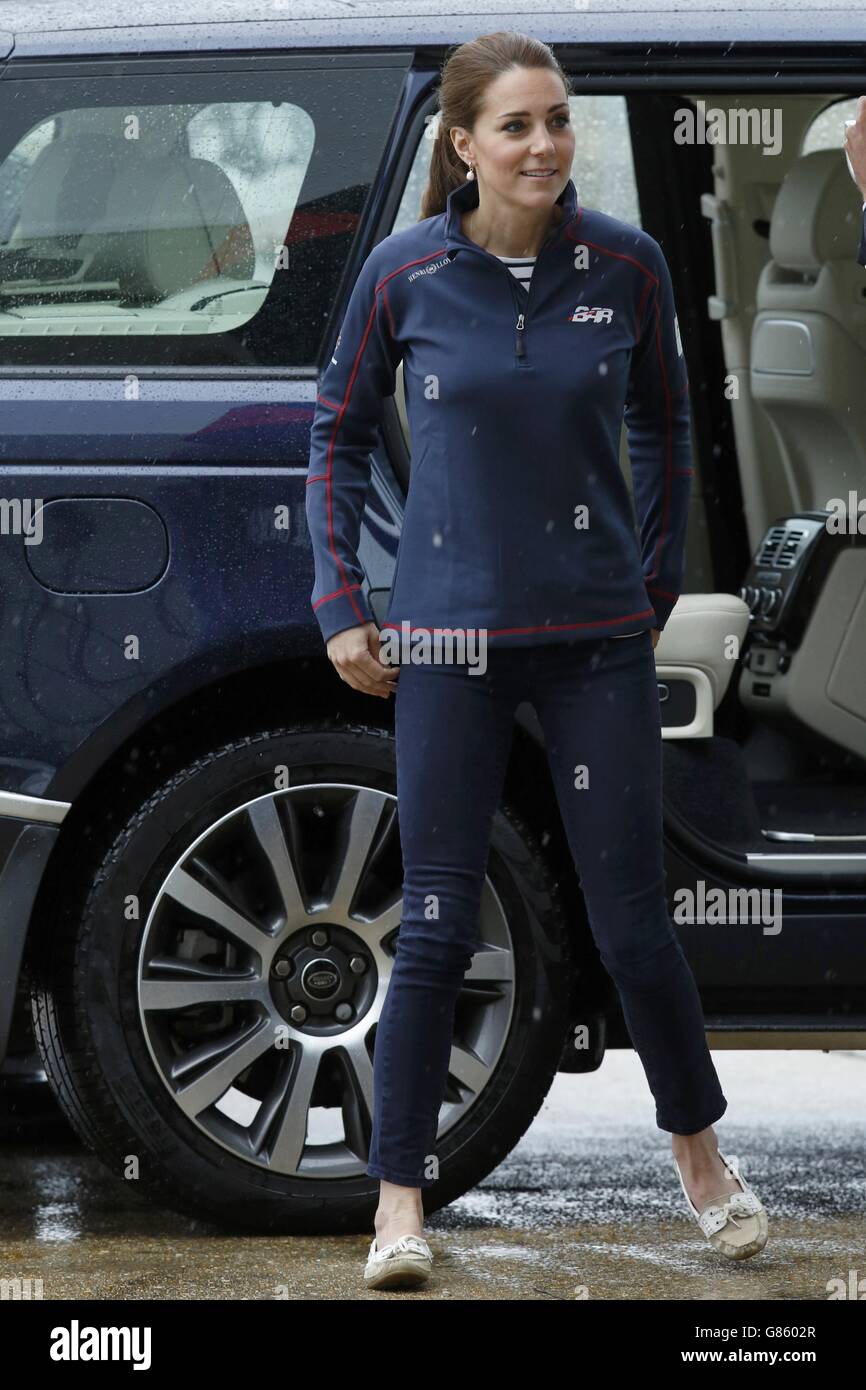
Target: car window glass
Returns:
[200, 219]
[827, 131]
[159, 219]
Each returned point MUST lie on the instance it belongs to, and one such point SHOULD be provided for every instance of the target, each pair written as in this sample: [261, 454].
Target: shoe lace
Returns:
[741, 1204]
[411, 1243]
[404, 1244]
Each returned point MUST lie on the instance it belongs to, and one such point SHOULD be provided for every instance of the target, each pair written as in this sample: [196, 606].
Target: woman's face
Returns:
[524, 124]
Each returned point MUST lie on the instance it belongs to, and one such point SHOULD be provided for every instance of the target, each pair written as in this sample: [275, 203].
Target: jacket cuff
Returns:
[343, 610]
[663, 605]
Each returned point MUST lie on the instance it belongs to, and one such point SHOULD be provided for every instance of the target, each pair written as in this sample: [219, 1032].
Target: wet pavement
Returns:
[587, 1206]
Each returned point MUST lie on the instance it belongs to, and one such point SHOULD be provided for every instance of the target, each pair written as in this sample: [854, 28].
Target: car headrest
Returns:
[817, 213]
[68, 188]
[171, 223]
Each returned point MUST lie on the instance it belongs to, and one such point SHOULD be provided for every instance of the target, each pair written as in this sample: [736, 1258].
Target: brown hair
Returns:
[466, 74]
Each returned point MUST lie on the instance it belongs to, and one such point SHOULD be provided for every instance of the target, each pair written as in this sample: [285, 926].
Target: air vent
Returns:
[788, 553]
[772, 541]
[781, 546]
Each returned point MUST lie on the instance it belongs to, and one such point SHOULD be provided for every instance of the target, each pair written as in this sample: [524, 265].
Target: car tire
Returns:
[191, 946]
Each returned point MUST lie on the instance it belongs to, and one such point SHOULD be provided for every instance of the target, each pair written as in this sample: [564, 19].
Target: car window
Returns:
[827, 131]
[142, 228]
[603, 168]
[165, 218]
[15, 173]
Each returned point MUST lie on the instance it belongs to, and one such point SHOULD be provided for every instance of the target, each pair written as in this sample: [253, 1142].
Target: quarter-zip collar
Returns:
[465, 197]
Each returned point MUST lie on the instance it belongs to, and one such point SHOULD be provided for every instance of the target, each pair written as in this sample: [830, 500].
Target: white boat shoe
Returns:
[735, 1223]
[405, 1263]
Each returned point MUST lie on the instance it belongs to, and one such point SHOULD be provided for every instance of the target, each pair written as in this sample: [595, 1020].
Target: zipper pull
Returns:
[520, 349]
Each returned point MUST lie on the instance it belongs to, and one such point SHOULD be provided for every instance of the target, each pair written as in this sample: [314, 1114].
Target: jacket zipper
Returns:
[519, 344]
[516, 292]
[520, 324]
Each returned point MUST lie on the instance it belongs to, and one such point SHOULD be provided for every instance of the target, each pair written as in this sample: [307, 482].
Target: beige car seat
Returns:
[809, 334]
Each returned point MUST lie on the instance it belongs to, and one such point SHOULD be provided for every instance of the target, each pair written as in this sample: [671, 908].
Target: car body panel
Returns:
[55, 30]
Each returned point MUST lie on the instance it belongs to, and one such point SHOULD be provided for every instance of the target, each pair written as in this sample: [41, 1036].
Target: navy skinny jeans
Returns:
[597, 702]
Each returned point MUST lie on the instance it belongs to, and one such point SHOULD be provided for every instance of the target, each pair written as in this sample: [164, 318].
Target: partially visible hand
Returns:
[355, 654]
[655, 636]
[855, 145]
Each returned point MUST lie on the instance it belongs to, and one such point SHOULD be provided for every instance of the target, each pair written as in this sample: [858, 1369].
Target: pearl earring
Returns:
[470, 174]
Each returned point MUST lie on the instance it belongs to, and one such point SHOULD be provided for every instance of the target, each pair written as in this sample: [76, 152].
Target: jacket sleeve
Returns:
[357, 378]
[659, 438]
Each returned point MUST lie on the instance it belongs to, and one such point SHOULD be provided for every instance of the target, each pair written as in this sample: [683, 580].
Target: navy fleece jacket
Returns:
[518, 520]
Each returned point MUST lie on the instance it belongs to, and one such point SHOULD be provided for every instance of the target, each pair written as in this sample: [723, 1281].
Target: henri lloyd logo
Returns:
[584, 314]
[429, 269]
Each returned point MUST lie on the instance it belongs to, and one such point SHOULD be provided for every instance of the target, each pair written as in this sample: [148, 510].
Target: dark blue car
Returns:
[200, 867]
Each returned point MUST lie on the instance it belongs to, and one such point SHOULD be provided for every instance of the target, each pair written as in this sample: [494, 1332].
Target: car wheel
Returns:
[207, 1015]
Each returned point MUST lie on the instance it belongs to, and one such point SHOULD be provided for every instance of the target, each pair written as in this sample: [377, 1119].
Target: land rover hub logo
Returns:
[584, 314]
[320, 979]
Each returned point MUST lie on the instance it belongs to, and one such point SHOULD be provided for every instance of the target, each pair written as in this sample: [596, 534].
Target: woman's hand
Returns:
[655, 636]
[355, 654]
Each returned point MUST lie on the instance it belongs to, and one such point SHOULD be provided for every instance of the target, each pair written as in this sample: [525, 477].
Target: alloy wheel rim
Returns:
[263, 968]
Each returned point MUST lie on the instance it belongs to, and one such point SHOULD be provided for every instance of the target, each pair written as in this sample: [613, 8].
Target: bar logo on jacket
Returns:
[584, 314]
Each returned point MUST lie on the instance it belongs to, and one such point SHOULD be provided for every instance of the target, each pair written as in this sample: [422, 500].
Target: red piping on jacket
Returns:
[346, 587]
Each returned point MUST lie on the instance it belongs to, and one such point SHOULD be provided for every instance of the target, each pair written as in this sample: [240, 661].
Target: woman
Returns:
[527, 325]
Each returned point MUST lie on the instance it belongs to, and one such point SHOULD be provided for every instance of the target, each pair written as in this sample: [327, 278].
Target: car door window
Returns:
[827, 130]
[203, 220]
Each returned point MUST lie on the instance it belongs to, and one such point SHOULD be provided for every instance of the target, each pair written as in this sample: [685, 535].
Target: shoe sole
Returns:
[398, 1274]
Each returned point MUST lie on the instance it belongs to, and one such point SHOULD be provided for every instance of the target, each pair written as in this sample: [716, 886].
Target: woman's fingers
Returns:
[373, 675]
[352, 653]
